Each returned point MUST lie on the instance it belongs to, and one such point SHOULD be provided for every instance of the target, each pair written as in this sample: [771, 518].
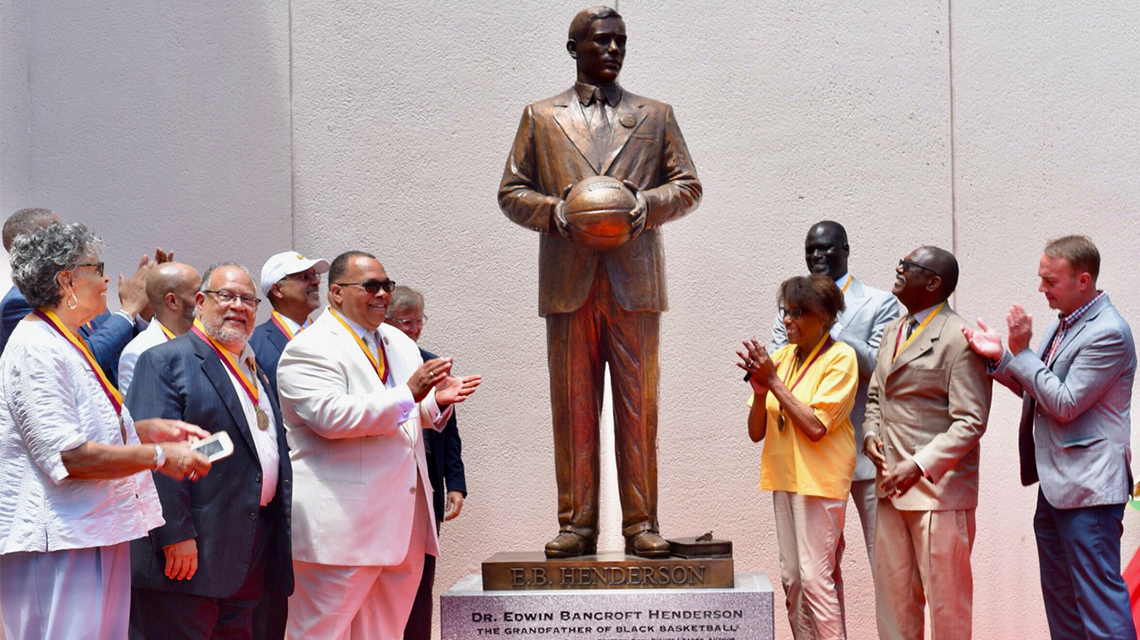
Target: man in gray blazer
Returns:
[1074, 437]
[860, 324]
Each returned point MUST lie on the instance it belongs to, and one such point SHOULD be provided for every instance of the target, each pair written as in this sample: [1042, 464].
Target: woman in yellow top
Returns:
[803, 394]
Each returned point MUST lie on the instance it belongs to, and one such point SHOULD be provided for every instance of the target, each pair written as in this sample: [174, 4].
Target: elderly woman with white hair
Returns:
[75, 486]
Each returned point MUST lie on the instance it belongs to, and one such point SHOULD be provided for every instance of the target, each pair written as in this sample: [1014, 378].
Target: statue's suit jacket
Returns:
[931, 404]
[1075, 425]
[184, 379]
[554, 149]
[867, 311]
[356, 446]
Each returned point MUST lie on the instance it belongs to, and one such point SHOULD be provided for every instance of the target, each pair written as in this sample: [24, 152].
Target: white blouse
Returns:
[50, 402]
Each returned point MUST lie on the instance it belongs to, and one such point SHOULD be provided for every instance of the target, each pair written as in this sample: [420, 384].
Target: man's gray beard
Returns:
[223, 335]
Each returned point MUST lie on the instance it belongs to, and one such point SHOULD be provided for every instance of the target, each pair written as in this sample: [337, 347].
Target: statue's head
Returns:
[597, 43]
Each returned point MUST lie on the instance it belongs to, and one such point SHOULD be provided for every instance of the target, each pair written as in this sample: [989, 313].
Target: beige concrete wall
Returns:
[982, 128]
[161, 124]
[15, 110]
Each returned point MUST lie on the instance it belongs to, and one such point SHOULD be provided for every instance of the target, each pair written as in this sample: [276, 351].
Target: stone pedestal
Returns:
[744, 612]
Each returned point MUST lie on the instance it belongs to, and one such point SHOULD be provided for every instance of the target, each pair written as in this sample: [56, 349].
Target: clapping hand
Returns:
[428, 375]
[759, 365]
[984, 340]
[1020, 326]
[453, 389]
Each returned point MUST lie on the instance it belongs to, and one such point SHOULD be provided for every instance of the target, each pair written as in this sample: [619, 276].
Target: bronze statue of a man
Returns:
[601, 307]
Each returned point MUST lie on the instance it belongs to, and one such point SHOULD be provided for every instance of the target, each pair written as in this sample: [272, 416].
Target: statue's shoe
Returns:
[647, 544]
[569, 545]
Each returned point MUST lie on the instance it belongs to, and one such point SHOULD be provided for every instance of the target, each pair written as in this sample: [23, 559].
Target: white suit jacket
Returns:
[355, 445]
[867, 312]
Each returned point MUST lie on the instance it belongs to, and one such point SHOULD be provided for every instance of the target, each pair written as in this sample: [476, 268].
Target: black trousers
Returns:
[166, 615]
[419, 622]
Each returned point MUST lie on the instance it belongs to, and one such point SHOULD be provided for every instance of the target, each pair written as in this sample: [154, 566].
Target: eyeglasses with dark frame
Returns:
[905, 264]
[794, 313]
[373, 287]
[227, 297]
[98, 267]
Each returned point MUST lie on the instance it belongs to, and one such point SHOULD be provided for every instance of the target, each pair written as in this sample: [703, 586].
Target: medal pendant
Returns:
[780, 422]
[262, 419]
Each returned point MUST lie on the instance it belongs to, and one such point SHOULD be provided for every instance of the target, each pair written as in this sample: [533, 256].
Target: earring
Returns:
[72, 301]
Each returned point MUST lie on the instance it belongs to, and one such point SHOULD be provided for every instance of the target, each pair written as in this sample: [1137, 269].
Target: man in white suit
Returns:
[867, 311]
[355, 394]
[1076, 391]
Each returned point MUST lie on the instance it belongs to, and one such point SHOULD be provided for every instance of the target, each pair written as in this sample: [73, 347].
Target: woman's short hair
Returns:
[37, 258]
[815, 293]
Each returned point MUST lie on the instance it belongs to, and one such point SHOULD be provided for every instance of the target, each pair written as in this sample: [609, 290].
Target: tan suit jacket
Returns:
[553, 148]
[931, 404]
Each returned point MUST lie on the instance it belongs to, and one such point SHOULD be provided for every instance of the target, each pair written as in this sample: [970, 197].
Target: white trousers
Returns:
[809, 531]
[332, 602]
[77, 594]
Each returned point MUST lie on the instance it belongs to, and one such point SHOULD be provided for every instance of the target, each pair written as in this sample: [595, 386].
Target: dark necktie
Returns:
[911, 323]
[600, 127]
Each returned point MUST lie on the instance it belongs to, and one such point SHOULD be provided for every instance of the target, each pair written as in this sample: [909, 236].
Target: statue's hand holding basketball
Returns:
[560, 213]
[637, 215]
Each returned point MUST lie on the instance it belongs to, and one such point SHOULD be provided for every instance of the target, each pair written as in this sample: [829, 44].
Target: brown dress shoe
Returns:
[647, 544]
[569, 545]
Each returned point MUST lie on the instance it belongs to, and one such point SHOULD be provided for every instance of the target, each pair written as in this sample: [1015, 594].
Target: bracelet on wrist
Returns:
[159, 457]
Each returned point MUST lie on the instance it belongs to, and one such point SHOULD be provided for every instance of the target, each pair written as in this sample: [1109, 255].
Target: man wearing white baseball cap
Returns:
[292, 284]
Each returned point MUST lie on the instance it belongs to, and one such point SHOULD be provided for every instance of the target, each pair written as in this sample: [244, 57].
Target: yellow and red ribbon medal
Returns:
[116, 398]
[282, 325]
[231, 364]
[381, 367]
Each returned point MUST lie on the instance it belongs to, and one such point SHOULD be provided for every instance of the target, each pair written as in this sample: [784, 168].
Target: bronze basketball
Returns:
[597, 213]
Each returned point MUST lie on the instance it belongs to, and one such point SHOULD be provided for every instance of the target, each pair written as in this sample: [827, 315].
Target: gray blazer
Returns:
[868, 312]
[1075, 424]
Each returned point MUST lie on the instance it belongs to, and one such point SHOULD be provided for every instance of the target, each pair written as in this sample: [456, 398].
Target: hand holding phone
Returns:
[215, 447]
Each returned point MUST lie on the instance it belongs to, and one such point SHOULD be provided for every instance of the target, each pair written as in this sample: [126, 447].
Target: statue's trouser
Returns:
[579, 345]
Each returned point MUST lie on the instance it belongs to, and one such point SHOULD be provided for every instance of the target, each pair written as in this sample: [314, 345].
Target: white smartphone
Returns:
[215, 447]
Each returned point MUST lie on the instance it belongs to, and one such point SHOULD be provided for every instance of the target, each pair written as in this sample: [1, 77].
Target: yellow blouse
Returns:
[791, 461]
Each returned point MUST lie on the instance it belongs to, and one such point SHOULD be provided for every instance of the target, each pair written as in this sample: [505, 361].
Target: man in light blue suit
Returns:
[860, 324]
[1074, 437]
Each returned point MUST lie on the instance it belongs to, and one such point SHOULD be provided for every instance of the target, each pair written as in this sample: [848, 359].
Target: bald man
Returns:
[928, 404]
[170, 288]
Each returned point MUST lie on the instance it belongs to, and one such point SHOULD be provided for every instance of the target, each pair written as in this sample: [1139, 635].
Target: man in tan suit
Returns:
[927, 407]
[601, 307]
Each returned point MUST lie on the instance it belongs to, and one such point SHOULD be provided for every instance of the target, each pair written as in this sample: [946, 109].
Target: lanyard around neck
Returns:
[917, 331]
[380, 366]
